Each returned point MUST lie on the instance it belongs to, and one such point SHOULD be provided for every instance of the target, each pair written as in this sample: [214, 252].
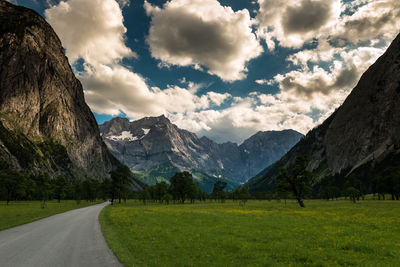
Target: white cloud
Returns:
[109, 86]
[257, 112]
[217, 98]
[318, 81]
[292, 23]
[265, 81]
[114, 89]
[203, 33]
[90, 29]
[370, 19]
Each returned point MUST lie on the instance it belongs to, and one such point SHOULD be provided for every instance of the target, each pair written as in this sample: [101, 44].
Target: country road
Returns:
[72, 238]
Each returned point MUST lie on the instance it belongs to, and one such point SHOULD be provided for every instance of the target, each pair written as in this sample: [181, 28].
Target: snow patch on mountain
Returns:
[146, 131]
[125, 136]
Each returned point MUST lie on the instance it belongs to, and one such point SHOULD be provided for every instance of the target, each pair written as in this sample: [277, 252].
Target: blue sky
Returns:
[225, 69]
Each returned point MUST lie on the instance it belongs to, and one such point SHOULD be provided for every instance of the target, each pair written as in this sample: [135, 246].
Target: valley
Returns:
[117, 120]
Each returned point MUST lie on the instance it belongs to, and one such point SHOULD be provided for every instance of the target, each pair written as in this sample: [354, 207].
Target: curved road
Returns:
[71, 238]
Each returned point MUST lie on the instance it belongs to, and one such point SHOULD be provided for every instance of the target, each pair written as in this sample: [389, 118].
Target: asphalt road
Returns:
[72, 238]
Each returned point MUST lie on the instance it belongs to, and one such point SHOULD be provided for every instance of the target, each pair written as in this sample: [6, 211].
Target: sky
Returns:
[224, 69]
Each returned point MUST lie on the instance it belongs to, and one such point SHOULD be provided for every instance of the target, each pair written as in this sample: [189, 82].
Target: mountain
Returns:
[154, 144]
[45, 124]
[264, 148]
[361, 137]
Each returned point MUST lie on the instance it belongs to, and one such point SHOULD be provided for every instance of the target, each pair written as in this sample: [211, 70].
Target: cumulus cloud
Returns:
[306, 16]
[217, 39]
[264, 81]
[92, 30]
[292, 23]
[247, 115]
[109, 86]
[320, 78]
[203, 33]
[368, 20]
[114, 89]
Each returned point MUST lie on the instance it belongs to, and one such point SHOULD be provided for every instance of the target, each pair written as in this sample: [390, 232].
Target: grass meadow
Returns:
[20, 212]
[261, 233]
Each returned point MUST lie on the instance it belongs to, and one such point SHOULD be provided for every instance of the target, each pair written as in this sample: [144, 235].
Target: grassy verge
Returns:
[262, 233]
[17, 213]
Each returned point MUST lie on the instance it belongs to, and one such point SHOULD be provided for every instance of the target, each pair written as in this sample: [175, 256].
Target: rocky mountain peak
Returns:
[154, 141]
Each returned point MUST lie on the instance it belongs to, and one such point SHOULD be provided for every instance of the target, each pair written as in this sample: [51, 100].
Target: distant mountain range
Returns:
[45, 124]
[361, 138]
[155, 145]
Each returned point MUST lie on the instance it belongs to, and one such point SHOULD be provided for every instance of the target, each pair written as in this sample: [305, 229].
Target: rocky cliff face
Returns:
[154, 141]
[364, 130]
[43, 113]
[266, 147]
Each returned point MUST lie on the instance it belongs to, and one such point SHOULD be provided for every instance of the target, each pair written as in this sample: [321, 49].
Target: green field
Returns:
[261, 233]
[21, 212]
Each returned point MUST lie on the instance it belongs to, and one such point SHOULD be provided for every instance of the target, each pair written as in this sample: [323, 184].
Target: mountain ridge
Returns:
[361, 133]
[153, 141]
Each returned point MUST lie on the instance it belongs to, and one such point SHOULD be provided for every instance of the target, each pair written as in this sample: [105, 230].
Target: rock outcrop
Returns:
[45, 124]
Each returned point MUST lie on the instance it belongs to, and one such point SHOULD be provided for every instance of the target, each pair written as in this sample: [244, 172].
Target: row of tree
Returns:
[15, 186]
[297, 183]
[183, 188]
[300, 183]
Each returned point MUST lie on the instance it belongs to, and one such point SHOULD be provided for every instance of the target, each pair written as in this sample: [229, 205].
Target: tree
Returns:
[144, 195]
[12, 184]
[90, 188]
[193, 192]
[353, 181]
[106, 189]
[218, 190]
[352, 193]
[389, 180]
[241, 193]
[182, 185]
[160, 190]
[43, 185]
[60, 187]
[77, 190]
[121, 180]
[298, 180]
[167, 198]
[282, 185]
[378, 186]
[326, 188]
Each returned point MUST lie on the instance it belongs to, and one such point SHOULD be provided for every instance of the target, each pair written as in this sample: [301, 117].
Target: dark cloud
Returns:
[181, 34]
[203, 34]
[291, 23]
[346, 77]
[307, 16]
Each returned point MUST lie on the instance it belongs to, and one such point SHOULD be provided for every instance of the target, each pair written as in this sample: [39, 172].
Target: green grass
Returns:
[17, 213]
[262, 233]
